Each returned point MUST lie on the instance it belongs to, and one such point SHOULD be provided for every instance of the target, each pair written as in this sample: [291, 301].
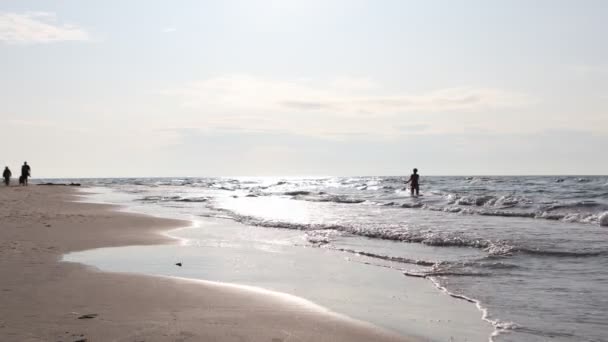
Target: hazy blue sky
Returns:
[304, 87]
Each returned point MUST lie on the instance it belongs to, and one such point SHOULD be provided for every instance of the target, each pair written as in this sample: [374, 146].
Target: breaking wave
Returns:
[297, 193]
[321, 234]
[172, 199]
[604, 219]
[585, 211]
[329, 198]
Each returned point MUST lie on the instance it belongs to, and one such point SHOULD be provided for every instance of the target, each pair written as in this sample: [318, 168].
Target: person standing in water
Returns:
[414, 186]
[7, 176]
[25, 172]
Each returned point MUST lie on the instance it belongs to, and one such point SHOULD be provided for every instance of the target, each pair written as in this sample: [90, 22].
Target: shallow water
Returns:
[218, 250]
[532, 251]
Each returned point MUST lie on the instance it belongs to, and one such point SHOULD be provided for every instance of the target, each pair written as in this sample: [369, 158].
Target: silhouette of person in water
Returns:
[7, 176]
[414, 186]
[25, 173]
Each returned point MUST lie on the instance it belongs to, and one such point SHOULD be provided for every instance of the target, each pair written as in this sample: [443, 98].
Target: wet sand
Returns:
[43, 299]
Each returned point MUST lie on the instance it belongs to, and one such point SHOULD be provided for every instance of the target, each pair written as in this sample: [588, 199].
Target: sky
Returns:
[303, 87]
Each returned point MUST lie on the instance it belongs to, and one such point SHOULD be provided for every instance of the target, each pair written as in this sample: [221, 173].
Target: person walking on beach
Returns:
[7, 176]
[25, 172]
[414, 186]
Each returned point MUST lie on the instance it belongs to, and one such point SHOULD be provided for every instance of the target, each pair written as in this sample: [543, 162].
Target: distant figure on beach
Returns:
[414, 186]
[25, 173]
[7, 175]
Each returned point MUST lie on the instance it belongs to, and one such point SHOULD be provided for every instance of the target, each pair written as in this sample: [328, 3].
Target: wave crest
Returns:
[604, 219]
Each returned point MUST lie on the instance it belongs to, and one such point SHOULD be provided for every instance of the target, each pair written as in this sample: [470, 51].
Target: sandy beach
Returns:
[43, 299]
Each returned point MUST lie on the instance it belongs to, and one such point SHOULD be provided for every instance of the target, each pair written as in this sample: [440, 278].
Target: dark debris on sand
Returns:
[87, 316]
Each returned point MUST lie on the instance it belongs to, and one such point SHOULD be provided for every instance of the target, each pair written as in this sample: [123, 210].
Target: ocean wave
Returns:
[172, 199]
[475, 200]
[412, 205]
[504, 201]
[158, 198]
[603, 219]
[225, 188]
[566, 216]
[406, 234]
[401, 233]
[499, 249]
[493, 265]
[143, 183]
[524, 204]
[562, 254]
[297, 193]
[330, 198]
[322, 237]
[386, 257]
[503, 213]
[192, 199]
[448, 209]
[576, 205]
[502, 249]
[445, 274]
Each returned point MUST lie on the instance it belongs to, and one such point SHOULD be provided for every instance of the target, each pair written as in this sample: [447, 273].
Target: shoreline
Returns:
[417, 306]
[47, 299]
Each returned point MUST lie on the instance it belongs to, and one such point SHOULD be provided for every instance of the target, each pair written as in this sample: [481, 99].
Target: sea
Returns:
[529, 253]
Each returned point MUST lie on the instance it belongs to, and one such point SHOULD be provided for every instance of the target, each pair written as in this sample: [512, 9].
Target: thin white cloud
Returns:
[339, 108]
[341, 97]
[37, 27]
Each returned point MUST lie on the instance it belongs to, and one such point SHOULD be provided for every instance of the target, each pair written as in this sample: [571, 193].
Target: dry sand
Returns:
[43, 299]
